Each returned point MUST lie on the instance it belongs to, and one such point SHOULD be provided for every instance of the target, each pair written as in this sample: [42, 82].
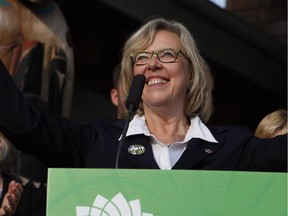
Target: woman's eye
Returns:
[168, 54]
[141, 56]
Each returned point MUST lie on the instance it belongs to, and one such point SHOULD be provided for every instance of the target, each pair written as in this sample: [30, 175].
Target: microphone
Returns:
[135, 92]
[132, 104]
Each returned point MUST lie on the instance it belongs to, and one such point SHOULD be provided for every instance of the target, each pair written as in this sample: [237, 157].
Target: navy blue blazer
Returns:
[59, 142]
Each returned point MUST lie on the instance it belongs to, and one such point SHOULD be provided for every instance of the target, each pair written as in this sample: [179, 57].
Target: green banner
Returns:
[127, 192]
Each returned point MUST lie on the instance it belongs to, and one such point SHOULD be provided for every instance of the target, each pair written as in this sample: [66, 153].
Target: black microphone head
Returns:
[135, 92]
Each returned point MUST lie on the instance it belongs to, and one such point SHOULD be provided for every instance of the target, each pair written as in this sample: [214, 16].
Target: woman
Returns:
[168, 130]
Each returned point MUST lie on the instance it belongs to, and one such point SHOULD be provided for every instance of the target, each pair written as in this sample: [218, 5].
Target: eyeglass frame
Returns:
[132, 55]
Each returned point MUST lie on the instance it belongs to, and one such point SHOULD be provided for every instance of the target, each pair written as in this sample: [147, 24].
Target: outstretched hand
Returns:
[11, 199]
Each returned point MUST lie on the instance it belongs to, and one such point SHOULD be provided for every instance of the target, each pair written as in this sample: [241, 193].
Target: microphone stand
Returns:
[132, 104]
[123, 136]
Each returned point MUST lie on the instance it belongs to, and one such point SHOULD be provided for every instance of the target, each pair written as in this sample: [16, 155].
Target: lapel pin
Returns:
[136, 149]
[208, 151]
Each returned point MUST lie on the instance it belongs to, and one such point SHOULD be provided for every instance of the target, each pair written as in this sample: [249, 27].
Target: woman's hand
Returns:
[11, 199]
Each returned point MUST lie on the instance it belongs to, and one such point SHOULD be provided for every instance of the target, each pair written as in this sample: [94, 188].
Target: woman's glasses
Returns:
[168, 55]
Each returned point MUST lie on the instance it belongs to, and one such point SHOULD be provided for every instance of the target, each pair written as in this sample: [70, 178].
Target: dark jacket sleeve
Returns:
[55, 141]
[239, 149]
[266, 154]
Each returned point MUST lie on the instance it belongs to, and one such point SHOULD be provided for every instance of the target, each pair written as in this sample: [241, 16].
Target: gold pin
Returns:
[208, 151]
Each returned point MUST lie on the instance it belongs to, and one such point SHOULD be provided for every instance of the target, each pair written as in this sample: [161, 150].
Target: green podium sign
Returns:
[129, 192]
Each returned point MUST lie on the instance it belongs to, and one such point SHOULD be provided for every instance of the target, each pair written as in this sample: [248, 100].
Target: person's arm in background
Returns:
[11, 199]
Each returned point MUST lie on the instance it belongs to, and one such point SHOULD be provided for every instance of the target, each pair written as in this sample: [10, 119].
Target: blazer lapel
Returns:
[197, 150]
[130, 159]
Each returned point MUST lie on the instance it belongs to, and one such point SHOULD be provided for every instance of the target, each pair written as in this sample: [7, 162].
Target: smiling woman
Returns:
[168, 130]
[177, 37]
[167, 86]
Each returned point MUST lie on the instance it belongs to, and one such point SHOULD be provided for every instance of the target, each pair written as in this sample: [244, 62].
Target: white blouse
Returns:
[167, 156]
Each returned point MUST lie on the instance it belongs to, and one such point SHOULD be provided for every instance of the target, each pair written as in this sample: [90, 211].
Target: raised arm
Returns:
[13, 107]
[53, 140]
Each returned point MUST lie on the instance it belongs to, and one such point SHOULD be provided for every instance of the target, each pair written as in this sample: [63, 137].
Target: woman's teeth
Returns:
[156, 81]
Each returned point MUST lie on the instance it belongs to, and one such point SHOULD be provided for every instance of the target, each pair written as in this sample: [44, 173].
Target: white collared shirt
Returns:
[167, 156]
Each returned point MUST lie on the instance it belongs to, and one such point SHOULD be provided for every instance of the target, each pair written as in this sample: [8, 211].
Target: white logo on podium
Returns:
[117, 206]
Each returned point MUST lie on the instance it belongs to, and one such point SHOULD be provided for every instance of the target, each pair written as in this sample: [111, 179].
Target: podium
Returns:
[130, 192]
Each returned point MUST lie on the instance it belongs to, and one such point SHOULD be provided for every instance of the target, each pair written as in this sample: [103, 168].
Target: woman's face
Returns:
[166, 83]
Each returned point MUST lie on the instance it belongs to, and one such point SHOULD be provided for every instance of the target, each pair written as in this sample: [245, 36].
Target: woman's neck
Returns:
[167, 129]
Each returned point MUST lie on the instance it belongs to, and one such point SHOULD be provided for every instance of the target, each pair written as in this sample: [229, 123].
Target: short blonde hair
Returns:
[199, 99]
[272, 125]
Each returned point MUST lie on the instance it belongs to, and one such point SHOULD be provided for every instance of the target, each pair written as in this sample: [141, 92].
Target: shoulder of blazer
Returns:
[222, 133]
[107, 122]
[216, 130]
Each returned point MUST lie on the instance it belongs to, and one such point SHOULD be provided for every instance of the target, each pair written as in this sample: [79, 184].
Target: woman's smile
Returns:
[156, 80]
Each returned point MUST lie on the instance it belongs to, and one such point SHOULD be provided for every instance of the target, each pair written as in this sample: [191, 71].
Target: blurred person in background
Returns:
[272, 125]
[117, 94]
[10, 186]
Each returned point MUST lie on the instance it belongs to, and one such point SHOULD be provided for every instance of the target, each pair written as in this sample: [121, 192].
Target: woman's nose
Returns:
[153, 63]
